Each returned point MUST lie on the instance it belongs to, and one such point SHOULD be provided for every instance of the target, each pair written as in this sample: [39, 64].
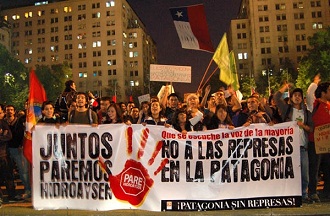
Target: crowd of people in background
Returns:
[198, 112]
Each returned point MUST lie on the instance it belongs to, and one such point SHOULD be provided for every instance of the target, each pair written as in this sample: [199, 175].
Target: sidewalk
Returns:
[307, 209]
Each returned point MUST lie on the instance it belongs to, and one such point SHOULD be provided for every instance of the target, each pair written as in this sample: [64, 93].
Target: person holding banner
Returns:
[83, 114]
[144, 111]
[48, 115]
[255, 115]
[220, 119]
[179, 121]
[156, 116]
[172, 106]
[297, 111]
[114, 115]
[194, 115]
[320, 116]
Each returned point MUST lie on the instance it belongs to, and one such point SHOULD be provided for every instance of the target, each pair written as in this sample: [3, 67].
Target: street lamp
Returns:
[268, 73]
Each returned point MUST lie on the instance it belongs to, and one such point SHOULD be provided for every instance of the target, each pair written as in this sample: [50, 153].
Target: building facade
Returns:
[5, 39]
[104, 42]
[272, 35]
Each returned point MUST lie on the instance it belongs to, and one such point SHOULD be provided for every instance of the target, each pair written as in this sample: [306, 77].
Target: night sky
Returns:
[158, 21]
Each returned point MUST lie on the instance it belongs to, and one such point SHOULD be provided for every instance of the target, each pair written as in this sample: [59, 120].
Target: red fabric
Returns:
[321, 116]
[37, 96]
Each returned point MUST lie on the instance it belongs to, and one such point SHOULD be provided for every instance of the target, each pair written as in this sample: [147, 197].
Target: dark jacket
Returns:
[286, 111]
[5, 136]
[17, 129]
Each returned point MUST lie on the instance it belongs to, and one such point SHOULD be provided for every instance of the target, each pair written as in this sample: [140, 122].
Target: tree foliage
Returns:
[318, 57]
[53, 78]
[246, 85]
[13, 79]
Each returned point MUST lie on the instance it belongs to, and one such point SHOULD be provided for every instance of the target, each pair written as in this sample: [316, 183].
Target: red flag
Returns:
[37, 96]
[191, 26]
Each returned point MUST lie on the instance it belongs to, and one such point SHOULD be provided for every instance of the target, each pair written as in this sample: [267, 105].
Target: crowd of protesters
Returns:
[197, 112]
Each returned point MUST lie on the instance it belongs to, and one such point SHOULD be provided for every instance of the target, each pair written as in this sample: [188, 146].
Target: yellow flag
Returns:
[233, 69]
[221, 57]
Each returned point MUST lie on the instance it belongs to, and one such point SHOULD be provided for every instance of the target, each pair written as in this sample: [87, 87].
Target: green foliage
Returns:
[246, 84]
[53, 78]
[304, 78]
[13, 79]
[318, 57]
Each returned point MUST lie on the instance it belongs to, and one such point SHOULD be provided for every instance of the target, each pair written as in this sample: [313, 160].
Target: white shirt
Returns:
[298, 115]
[310, 97]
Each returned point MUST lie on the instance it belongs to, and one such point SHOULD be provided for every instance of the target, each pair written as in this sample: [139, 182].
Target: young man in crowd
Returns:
[83, 114]
[297, 111]
[15, 147]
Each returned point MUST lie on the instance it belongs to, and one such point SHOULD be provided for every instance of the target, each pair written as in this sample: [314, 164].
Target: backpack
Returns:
[61, 102]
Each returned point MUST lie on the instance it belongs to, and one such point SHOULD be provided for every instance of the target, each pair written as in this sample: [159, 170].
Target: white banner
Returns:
[156, 168]
[170, 73]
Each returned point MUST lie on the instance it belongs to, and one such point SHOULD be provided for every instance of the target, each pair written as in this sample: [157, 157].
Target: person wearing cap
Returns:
[297, 111]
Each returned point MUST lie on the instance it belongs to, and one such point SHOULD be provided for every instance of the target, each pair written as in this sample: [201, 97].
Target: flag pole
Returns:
[208, 67]
[210, 76]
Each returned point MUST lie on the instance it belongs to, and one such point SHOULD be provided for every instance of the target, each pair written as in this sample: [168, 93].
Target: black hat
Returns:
[297, 90]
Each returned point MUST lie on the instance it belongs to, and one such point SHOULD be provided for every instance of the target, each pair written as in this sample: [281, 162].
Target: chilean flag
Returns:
[191, 26]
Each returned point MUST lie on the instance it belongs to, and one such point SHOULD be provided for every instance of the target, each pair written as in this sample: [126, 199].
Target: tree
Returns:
[53, 78]
[13, 79]
[246, 85]
[304, 79]
[318, 57]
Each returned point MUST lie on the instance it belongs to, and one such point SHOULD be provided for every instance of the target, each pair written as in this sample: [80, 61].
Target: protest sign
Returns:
[159, 169]
[170, 73]
[321, 139]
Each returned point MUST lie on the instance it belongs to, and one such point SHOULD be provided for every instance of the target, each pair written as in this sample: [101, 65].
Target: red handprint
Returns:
[134, 182]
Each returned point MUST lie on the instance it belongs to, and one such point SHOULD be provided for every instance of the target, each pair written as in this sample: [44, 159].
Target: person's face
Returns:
[327, 95]
[219, 96]
[182, 117]
[104, 105]
[48, 111]
[10, 111]
[211, 102]
[155, 108]
[145, 108]
[135, 112]
[221, 114]
[2, 113]
[130, 106]
[193, 101]
[112, 113]
[73, 86]
[296, 98]
[81, 101]
[123, 107]
[173, 102]
[252, 104]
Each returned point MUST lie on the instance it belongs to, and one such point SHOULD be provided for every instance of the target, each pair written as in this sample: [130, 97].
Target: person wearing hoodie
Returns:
[296, 111]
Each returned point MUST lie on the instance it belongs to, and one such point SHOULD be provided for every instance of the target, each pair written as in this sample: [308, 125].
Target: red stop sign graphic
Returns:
[132, 184]
[132, 181]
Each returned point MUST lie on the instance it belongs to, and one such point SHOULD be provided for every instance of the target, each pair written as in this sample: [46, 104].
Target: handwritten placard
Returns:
[145, 97]
[170, 73]
[321, 138]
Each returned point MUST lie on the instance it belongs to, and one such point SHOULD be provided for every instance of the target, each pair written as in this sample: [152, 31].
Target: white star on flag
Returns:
[179, 14]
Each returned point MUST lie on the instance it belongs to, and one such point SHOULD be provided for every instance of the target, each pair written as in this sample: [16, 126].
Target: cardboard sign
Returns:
[321, 139]
[170, 73]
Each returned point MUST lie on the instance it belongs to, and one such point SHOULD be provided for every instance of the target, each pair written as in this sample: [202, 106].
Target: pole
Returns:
[268, 82]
